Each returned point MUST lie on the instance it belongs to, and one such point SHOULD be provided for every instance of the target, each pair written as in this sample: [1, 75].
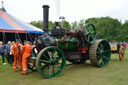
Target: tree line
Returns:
[107, 27]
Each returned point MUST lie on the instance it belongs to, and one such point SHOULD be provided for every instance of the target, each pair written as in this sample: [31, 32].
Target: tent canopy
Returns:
[11, 24]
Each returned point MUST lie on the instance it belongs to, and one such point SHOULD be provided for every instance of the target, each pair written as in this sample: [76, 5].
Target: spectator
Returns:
[2, 51]
[125, 45]
[122, 43]
[8, 50]
[0, 48]
[9, 54]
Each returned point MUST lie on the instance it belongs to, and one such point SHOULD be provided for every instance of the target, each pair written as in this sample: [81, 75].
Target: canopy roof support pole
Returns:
[30, 37]
[36, 35]
[19, 38]
[15, 37]
[4, 37]
[26, 37]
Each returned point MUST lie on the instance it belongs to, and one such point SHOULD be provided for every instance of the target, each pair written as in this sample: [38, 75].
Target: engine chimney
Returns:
[45, 17]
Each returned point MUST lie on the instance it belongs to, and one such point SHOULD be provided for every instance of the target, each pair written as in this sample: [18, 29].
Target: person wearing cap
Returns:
[16, 51]
[26, 54]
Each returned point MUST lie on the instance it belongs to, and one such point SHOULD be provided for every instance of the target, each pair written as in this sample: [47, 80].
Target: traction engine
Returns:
[59, 45]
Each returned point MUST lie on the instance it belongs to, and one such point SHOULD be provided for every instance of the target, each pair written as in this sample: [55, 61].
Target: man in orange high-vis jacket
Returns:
[27, 53]
[17, 55]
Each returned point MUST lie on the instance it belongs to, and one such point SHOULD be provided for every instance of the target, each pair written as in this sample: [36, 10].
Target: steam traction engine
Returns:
[60, 45]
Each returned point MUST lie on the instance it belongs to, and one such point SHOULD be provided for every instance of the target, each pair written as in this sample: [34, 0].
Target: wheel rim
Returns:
[90, 33]
[122, 53]
[51, 62]
[103, 53]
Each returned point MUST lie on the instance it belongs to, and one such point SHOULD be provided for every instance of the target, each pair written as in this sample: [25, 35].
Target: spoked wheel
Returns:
[100, 53]
[50, 62]
[89, 33]
[121, 53]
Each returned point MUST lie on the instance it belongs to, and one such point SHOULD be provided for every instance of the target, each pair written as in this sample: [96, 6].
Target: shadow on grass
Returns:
[68, 69]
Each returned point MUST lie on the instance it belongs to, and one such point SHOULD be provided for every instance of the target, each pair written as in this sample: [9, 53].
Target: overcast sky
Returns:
[72, 10]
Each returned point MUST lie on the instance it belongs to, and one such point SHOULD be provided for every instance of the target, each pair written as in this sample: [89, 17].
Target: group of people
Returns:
[5, 52]
[17, 53]
[124, 44]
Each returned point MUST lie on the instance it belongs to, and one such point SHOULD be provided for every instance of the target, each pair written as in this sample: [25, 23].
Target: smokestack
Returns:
[45, 17]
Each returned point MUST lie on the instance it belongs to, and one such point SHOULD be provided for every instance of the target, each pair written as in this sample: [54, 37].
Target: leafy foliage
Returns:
[107, 27]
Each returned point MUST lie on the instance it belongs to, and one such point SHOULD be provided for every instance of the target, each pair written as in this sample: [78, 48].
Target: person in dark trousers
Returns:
[9, 55]
[2, 50]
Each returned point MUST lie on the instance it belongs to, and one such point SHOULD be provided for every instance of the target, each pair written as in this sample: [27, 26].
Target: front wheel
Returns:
[50, 62]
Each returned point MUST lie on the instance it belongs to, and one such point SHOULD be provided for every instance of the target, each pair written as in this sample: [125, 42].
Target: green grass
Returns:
[116, 73]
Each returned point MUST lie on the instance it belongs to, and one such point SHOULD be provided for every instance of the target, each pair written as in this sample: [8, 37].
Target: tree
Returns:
[74, 25]
[65, 24]
[81, 24]
[51, 25]
[38, 24]
[92, 20]
[107, 27]
[124, 31]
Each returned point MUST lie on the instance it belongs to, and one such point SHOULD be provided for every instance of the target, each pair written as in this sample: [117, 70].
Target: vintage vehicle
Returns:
[59, 45]
[117, 48]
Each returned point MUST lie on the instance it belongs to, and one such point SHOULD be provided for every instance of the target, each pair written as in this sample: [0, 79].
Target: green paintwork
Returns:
[90, 33]
[103, 53]
[72, 44]
[51, 62]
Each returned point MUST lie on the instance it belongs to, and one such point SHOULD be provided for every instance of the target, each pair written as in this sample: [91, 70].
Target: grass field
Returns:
[116, 73]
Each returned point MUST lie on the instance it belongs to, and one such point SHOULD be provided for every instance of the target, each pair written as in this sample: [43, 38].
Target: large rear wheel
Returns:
[100, 53]
[50, 62]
